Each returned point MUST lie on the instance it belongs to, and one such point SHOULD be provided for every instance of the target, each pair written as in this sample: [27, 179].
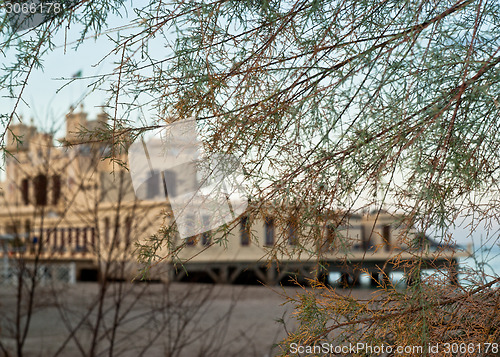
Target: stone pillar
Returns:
[271, 275]
[224, 275]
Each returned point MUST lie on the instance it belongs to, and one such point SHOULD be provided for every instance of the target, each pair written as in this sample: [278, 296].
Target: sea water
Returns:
[482, 267]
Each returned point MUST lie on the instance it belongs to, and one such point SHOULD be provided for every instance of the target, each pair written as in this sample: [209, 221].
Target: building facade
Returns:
[74, 202]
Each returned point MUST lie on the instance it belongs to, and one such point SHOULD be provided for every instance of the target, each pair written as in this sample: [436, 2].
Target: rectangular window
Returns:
[48, 243]
[366, 237]
[191, 241]
[269, 226]
[169, 178]
[48, 240]
[292, 232]
[77, 238]
[153, 185]
[78, 245]
[245, 231]
[106, 231]
[92, 237]
[25, 191]
[206, 237]
[116, 232]
[84, 239]
[27, 228]
[190, 222]
[62, 240]
[386, 234]
[56, 189]
[364, 241]
[40, 183]
[54, 246]
[70, 239]
[330, 237]
[128, 230]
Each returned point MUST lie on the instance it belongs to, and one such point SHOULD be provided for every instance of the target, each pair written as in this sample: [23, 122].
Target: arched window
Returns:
[40, 184]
